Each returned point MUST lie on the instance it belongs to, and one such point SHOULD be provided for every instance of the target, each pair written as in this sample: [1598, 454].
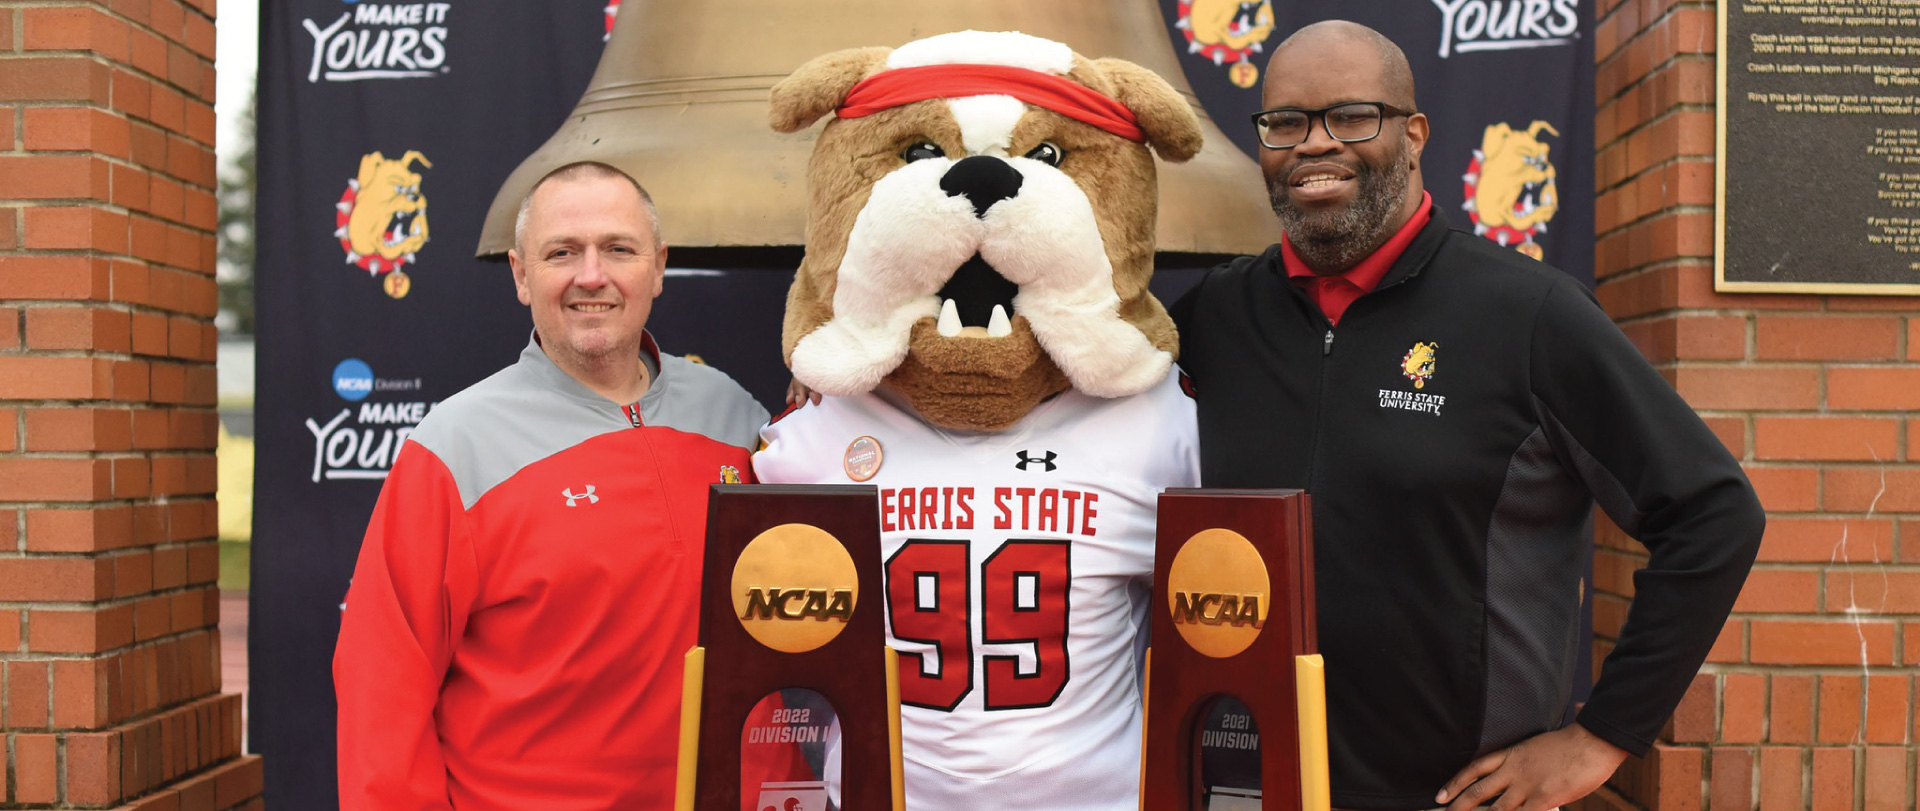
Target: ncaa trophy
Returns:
[1236, 693]
[791, 700]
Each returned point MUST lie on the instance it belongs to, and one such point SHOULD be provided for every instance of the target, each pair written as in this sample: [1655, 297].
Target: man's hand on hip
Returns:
[1539, 773]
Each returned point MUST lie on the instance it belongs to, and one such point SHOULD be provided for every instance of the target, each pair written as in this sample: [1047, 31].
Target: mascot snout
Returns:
[983, 180]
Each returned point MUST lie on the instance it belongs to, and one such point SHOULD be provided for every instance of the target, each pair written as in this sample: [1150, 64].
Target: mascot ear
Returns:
[819, 86]
[1171, 126]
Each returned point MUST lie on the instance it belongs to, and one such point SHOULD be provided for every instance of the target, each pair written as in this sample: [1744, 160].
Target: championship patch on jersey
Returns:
[862, 459]
[729, 474]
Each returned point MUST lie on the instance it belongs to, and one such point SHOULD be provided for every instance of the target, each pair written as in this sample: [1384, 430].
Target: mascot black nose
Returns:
[983, 180]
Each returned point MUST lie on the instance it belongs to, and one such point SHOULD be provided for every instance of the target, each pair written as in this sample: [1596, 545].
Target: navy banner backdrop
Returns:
[385, 130]
[1506, 84]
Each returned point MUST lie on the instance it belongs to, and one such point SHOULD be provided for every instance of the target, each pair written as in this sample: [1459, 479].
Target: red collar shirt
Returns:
[1333, 294]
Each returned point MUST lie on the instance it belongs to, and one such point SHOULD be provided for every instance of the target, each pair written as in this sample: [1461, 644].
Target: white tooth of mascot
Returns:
[973, 306]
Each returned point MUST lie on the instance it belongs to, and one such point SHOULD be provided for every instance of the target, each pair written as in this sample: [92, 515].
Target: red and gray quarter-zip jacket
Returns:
[527, 590]
[1455, 431]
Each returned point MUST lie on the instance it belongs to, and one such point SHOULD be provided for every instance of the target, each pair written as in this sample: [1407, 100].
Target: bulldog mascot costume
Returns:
[973, 305]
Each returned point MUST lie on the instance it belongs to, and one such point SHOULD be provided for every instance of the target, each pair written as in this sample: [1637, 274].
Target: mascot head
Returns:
[980, 225]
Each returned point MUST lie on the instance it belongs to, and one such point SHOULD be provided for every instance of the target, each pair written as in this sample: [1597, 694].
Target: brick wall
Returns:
[1807, 702]
[109, 654]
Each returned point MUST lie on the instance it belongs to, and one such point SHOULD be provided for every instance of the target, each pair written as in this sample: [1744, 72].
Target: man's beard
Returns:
[1335, 240]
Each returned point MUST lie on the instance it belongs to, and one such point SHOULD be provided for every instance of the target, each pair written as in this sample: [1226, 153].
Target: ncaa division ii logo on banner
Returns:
[362, 440]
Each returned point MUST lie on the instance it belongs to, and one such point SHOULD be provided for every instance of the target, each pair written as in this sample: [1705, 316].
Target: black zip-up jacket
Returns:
[1455, 431]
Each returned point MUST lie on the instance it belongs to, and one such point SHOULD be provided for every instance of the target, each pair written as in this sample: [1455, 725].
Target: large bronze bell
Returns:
[680, 102]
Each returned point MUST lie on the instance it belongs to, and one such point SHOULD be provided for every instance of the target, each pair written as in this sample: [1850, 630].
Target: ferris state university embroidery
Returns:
[1418, 366]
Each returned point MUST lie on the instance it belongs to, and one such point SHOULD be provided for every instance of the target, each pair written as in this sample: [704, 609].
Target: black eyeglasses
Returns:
[1349, 123]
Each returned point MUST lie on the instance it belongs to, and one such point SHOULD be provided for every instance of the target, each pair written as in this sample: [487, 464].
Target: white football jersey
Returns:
[1018, 566]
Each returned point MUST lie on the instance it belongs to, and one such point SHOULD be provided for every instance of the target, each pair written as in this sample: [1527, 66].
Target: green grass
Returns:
[235, 574]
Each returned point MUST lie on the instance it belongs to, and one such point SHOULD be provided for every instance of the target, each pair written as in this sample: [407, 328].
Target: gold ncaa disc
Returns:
[794, 588]
[1218, 592]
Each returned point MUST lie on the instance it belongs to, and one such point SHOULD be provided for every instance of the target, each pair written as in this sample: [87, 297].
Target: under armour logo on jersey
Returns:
[589, 496]
[1029, 459]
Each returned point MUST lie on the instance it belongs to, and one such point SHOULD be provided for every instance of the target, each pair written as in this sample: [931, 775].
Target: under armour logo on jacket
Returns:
[589, 496]
[1028, 459]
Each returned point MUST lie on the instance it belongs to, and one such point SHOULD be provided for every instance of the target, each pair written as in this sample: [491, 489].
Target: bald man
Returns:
[1456, 409]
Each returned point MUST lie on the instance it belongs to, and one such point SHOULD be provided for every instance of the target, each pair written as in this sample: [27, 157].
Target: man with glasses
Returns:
[1456, 410]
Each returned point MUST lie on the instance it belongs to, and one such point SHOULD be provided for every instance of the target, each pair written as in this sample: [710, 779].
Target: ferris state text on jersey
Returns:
[1017, 566]
[1015, 509]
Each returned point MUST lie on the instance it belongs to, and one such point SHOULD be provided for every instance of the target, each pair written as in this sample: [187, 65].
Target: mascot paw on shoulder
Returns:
[973, 305]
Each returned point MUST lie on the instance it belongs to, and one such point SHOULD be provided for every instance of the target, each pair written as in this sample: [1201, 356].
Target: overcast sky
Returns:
[238, 54]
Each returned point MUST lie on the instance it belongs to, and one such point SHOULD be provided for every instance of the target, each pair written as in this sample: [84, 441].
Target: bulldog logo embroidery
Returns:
[1417, 364]
[381, 219]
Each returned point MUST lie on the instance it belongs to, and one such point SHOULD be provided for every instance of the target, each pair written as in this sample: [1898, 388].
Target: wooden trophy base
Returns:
[792, 677]
[1236, 693]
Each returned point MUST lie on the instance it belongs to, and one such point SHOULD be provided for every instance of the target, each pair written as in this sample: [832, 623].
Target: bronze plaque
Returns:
[1818, 170]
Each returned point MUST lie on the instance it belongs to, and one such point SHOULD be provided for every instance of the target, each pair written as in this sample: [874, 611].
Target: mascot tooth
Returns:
[973, 305]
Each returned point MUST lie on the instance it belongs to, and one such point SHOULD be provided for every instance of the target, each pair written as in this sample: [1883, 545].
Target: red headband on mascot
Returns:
[899, 86]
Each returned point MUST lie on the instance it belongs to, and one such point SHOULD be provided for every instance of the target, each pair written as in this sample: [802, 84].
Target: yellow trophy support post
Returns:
[1146, 689]
[893, 730]
[689, 760]
[1310, 688]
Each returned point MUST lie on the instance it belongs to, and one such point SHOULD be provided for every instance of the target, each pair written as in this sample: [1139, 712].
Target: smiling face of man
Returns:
[588, 264]
[1340, 201]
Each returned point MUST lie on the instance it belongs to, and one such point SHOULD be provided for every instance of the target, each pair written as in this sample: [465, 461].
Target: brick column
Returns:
[1807, 700]
[108, 610]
